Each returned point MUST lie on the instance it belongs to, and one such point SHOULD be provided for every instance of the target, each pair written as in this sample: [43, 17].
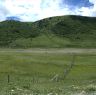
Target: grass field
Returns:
[47, 71]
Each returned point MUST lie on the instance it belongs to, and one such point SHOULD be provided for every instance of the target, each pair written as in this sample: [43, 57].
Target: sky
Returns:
[33, 10]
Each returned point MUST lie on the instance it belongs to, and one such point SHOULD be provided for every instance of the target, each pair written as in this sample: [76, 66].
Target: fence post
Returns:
[67, 71]
[8, 79]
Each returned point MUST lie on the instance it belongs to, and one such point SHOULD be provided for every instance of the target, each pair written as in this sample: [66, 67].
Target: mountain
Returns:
[13, 18]
[60, 31]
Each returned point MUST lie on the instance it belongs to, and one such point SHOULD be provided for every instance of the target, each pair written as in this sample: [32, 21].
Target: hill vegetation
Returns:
[61, 31]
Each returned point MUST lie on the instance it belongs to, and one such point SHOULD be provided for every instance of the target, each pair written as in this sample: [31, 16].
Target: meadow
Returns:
[48, 57]
[47, 71]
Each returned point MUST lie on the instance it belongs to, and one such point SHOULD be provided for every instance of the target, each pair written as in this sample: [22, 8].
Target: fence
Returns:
[17, 84]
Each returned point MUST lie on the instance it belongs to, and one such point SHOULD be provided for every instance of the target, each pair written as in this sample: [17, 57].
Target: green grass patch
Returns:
[35, 72]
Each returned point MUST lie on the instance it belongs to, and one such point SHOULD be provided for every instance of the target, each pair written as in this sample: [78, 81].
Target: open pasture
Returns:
[47, 72]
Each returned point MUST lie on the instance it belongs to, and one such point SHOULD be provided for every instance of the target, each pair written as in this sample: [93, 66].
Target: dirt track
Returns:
[65, 50]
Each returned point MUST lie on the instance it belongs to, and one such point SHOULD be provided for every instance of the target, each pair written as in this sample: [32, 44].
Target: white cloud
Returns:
[32, 10]
[88, 11]
[3, 12]
[93, 10]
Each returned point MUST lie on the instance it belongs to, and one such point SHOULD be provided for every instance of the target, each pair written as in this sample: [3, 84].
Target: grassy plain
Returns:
[45, 72]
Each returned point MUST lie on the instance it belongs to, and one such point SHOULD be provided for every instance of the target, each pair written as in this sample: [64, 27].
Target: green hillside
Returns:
[61, 31]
